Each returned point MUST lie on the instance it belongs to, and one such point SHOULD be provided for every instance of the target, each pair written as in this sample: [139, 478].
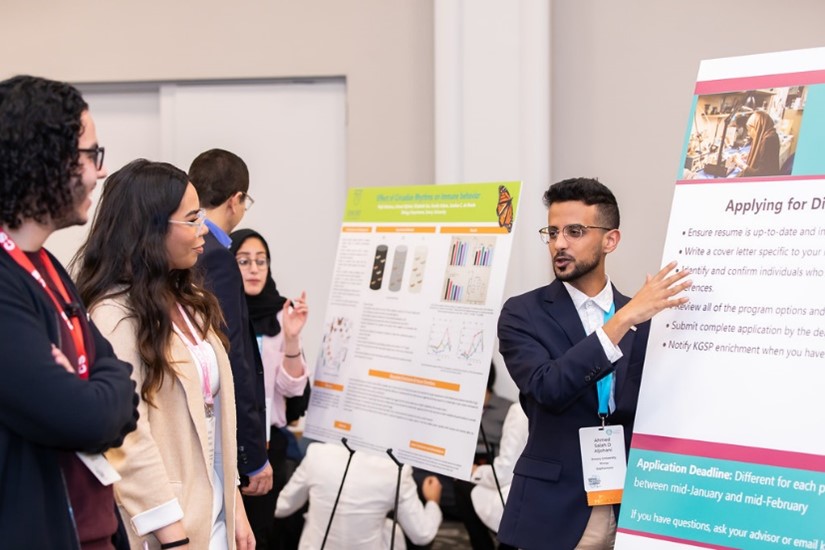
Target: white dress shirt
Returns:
[591, 312]
[485, 495]
[367, 496]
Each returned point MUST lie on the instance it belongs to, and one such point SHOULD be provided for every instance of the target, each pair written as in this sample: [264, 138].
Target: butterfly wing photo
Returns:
[504, 208]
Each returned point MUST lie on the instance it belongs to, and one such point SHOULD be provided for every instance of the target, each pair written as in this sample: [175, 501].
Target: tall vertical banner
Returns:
[728, 448]
[409, 329]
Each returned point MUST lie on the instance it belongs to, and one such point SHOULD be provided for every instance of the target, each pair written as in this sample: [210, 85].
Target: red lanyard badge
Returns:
[73, 324]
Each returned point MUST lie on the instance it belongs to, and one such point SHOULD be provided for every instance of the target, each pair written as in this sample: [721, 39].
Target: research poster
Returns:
[411, 321]
[728, 448]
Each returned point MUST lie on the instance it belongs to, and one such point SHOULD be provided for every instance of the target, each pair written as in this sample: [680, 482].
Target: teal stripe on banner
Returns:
[725, 503]
[680, 173]
[809, 159]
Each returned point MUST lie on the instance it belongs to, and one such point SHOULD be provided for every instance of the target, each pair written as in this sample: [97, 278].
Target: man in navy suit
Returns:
[559, 342]
[222, 181]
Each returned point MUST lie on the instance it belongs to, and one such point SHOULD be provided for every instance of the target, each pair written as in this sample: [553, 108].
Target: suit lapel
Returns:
[559, 306]
[182, 360]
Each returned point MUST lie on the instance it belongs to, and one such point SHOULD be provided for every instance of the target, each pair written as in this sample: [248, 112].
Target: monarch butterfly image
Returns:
[504, 208]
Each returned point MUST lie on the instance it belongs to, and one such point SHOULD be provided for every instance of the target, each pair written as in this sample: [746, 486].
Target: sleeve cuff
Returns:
[258, 471]
[610, 349]
[157, 517]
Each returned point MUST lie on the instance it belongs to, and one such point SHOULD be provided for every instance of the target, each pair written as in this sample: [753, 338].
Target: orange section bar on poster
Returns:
[428, 448]
[404, 229]
[476, 230]
[600, 498]
[328, 385]
[355, 229]
[440, 384]
[346, 426]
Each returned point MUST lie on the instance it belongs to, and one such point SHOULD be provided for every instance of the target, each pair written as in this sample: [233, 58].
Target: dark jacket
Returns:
[556, 367]
[224, 279]
[45, 410]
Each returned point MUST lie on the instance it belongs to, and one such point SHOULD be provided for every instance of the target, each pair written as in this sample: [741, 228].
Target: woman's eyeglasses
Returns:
[197, 224]
[244, 263]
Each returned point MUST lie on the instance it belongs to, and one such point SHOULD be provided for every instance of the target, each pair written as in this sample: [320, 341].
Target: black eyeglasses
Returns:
[573, 231]
[96, 155]
[244, 263]
[248, 201]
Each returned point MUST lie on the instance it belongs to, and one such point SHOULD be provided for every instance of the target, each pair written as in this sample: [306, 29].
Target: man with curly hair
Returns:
[64, 396]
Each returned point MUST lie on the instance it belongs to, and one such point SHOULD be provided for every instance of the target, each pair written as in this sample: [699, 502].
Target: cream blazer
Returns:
[166, 457]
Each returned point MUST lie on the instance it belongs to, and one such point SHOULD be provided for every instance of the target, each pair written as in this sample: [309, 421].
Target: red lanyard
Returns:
[73, 324]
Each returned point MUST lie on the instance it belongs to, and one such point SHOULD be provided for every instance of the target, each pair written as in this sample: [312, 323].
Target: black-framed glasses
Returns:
[572, 231]
[96, 154]
[197, 224]
[248, 201]
[244, 263]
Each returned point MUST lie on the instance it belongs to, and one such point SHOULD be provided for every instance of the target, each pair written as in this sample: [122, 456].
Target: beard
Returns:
[576, 269]
[74, 213]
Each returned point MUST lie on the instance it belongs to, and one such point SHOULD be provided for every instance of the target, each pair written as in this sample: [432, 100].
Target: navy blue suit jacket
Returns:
[556, 367]
[223, 278]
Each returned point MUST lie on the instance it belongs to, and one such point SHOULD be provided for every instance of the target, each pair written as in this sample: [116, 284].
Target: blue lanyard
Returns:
[604, 387]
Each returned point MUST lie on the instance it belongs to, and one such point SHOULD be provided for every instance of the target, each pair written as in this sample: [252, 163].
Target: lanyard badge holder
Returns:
[95, 462]
[602, 447]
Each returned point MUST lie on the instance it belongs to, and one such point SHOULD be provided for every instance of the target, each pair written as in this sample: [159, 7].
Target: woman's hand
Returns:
[294, 317]
[244, 539]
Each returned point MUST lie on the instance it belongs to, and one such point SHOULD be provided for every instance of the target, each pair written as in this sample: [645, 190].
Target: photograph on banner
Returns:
[749, 133]
[410, 324]
[727, 449]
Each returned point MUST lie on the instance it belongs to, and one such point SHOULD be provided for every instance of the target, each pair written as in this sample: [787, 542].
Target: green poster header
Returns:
[485, 203]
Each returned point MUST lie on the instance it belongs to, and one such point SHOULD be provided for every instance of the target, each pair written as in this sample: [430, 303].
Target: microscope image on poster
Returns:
[397, 272]
[744, 134]
[417, 268]
[378, 266]
[334, 347]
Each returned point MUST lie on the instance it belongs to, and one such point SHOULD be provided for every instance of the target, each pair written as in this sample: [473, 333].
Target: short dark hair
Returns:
[217, 175]
[39, 164]
[590, 191]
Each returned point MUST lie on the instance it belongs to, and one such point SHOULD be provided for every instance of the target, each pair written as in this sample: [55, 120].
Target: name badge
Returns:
[100, 467]
[603, 464]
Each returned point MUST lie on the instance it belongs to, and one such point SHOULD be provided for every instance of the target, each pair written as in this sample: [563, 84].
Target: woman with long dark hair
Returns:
[135, 272]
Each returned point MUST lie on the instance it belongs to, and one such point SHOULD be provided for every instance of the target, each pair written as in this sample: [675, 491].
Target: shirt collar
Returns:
[604, 299]
[219, 233]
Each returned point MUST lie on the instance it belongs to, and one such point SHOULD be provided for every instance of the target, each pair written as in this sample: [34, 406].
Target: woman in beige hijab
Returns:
[763, 159]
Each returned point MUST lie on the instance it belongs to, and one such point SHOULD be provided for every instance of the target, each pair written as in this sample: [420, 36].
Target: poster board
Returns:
[409, 329]
[728, 448]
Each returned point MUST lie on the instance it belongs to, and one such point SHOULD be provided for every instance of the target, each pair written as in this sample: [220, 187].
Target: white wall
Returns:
[492, 101]
[623, 76]
[383, 48]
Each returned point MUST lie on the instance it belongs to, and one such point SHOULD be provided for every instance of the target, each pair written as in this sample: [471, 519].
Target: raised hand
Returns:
[659, 292]
[294, 316]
